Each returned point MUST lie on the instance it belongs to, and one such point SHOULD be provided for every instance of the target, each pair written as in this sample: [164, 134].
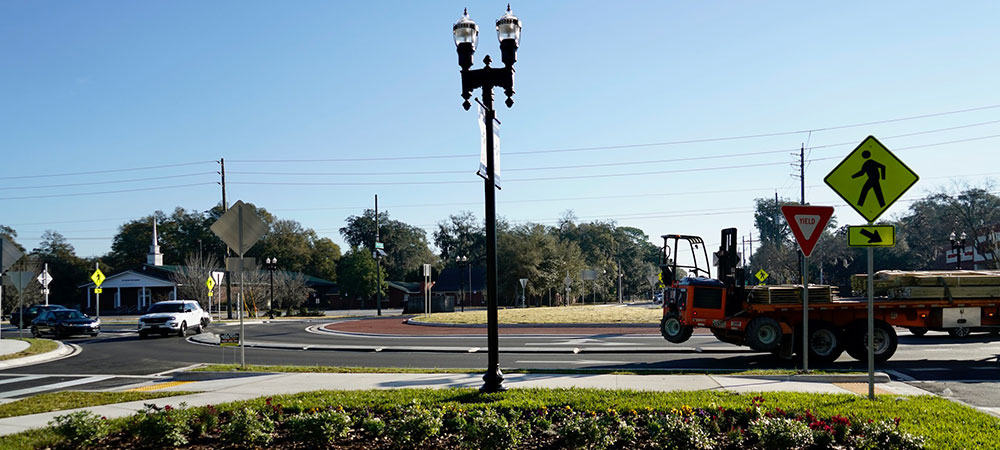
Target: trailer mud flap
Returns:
[787, 348]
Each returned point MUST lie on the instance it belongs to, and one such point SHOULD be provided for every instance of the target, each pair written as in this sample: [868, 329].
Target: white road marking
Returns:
[578, 362]
[24, 378]
[927, 369]
[473, 349]
[50, 387]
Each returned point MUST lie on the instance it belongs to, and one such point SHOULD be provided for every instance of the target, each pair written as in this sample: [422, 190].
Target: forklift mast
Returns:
[729, 272]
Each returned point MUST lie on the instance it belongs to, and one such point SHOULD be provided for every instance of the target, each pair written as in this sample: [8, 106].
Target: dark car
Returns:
[64, 322]
[30, 313]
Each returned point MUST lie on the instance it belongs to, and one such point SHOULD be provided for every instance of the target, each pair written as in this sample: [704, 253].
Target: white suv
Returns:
[175, 316]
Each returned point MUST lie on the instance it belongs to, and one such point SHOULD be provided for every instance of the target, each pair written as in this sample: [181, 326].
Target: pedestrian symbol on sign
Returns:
[875, 173]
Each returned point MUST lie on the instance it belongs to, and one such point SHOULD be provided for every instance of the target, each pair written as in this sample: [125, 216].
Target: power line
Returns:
[134, 180]
[80, 194]
[614, 147]
[93, 172]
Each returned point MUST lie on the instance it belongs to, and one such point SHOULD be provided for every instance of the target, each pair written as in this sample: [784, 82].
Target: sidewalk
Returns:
[235, 387]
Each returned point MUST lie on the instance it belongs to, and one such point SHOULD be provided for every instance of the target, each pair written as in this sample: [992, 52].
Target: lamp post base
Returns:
[493, 381]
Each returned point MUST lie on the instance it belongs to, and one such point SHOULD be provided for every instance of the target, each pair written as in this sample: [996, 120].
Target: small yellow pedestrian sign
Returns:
[210, 284]
[761, 275]
[97, 277]
[871, 179]
[871, 236]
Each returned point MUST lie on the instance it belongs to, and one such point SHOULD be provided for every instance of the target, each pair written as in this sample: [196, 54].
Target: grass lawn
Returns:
[343, 369]
[58, 401]
[35, 347]
[611, 313]
[945, 424]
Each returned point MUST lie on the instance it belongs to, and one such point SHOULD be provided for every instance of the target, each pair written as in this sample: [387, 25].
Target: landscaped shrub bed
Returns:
[291, 424]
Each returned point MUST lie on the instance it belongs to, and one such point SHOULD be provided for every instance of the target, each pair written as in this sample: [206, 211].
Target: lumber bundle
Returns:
[789, 294]
[930, 284]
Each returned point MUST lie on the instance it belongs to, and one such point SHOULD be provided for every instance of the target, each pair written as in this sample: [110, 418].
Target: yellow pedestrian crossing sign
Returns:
[210, 284]
[871, 179]
[97, 277]
[761, 275]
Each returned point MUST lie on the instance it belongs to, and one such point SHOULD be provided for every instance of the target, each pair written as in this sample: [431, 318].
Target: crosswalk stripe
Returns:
[49, 387]
[17, 379]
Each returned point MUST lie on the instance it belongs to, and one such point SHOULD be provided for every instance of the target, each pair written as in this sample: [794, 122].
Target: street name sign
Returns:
[871, 179]
[807, 224]
[871, 236]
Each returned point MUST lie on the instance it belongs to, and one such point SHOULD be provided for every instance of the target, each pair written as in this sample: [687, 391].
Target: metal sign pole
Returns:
[871, 324]
[805, 313]
[243, 350]
[45, 284]
[20, 307]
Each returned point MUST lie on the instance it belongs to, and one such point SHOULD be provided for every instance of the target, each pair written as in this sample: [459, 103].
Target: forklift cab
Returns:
[696, 297]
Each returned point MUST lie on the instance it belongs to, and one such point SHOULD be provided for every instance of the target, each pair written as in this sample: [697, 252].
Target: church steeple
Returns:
[154, 258]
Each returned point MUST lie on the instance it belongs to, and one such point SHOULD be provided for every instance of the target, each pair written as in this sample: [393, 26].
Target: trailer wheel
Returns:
[959, 332]
[885, 341]
[673, 330]
[763, 334]
[826, 342]
[917, 331]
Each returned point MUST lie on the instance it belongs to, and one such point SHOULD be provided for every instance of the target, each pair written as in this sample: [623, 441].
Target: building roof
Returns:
[455, 279]
[164, 272]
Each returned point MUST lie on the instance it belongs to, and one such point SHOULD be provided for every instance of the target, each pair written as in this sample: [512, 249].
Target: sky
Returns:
[672, 117]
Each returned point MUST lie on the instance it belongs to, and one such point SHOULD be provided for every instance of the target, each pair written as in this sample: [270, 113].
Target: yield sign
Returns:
[807, 224]
[9, 254]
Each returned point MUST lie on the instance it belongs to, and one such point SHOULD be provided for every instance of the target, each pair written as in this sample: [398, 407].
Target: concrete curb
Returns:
[63, 351]
[212, 339]
[534, 325]
[820, 378]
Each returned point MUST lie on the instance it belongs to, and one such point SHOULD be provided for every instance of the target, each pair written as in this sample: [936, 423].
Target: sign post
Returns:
[20, 280]
[871, 179]
[524, 282]
[567, 281]
[240, 228]
[218, 276]
[98, 278]
[427, 289]
[807, 224]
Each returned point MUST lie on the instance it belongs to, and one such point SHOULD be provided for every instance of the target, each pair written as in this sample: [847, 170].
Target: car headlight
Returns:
[172, 318]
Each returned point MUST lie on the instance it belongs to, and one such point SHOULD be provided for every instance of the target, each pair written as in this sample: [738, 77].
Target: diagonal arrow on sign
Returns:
[873, 237]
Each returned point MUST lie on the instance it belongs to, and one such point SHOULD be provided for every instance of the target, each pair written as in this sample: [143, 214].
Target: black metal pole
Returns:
[270, 306]
[229, 282]
[494, 377]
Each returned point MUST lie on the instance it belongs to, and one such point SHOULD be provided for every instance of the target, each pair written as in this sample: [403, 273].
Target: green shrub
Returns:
[80, 429]
[370, 426]
[414, 424]
[490, 430]
[320, 427]
[883, 436]
[245, 426]
[203, 421]
[453, 420]
[675, 432]
[777, 433]
[161, 427]
[584, 431]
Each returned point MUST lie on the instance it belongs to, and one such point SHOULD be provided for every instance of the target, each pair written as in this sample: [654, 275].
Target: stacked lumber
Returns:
[930, 284]
[789, 294]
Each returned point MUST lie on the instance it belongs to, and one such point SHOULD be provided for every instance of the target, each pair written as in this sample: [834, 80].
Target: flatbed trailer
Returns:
[835, 325]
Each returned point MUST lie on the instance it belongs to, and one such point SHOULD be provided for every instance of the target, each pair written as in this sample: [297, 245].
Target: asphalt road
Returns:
[965, 369]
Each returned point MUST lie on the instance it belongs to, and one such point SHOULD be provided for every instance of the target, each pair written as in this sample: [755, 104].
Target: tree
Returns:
[357, 275]
[461, 235]
[190, 278]
[67, 270]
[534, 252]
[405, 245]
[770, 223]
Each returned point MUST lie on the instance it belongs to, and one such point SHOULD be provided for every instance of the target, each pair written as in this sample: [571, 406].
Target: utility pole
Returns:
[225, 207]
[378, 264]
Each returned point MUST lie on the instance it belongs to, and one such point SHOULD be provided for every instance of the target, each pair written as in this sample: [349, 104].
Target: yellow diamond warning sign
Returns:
[871, 179]
[97, 277]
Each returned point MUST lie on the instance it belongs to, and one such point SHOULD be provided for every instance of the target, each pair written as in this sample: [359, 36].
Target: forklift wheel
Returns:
[673, 330]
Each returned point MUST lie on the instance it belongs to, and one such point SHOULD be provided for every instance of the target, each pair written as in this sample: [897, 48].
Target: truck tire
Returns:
[826, 342]
[763, 334]
[673, 330]
[917, 331]
[885, 341]
[959, 332]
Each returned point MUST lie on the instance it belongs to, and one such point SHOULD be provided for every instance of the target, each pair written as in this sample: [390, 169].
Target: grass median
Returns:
[944, 424]
[603, 314]
[59, 401]
[35, 347]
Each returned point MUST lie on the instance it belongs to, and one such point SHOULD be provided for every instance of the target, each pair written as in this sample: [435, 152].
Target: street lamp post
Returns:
[462, 259]
[271, 264]
[958, 245]
[466, 34]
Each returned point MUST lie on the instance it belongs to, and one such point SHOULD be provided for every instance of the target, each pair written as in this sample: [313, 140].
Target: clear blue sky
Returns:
[102, 85]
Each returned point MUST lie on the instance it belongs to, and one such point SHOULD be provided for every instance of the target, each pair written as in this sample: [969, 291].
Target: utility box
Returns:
[961, 317]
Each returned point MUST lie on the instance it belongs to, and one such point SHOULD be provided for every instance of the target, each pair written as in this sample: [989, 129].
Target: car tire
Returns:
[35, 333]
[182, 331]
[143, 335]
[960, 332]
[93, 334]
[199, 329]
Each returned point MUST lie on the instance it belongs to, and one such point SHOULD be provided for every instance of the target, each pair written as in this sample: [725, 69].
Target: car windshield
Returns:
[67, 314]
[166, 308]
